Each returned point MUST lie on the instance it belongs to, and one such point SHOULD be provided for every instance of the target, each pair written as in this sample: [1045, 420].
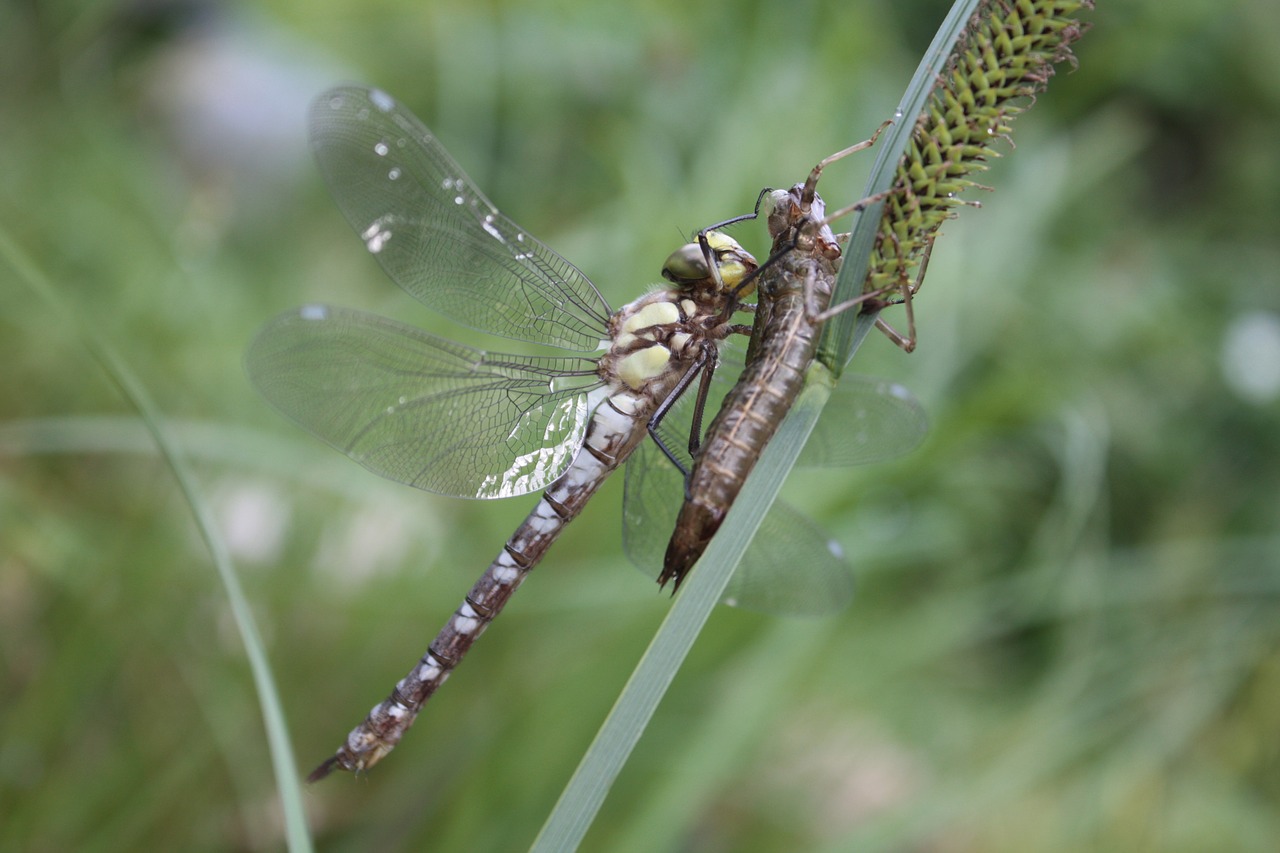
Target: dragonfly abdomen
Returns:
[456, 420]
[753, 408]
[615, 429]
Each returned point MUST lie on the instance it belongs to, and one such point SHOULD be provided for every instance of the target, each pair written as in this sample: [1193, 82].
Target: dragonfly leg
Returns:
[704, 365]
[908, 342]
[734, 305]
[859, 205]
[907, 290]
[709, 256]
[811, 185]
[702, 233]
[816, 316]
[700, 408]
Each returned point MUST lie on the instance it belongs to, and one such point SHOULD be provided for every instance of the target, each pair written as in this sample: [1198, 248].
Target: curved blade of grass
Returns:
[581, 799]
[839, 336]
[715, 747]
[283, 764]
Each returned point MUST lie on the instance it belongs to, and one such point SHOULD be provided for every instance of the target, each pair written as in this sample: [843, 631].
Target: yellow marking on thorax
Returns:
[643, 365]
[653, 314]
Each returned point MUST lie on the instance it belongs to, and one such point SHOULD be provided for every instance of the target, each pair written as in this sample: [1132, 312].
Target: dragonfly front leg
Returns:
[811, 184]
[816, 315]
[908, 290]
[734, 303]
[704, 364]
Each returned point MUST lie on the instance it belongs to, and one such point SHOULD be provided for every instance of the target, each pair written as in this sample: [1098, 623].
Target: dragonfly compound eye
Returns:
[686, 265]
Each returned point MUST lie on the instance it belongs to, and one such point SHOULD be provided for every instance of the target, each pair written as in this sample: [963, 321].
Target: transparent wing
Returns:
[437, 236]
[792, 567]
[423, 410]
[865, 420]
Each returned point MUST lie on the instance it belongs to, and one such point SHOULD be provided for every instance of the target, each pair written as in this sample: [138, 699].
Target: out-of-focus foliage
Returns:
[1068, 629]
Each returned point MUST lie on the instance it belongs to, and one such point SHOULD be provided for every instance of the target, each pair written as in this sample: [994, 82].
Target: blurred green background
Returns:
[1067, 634]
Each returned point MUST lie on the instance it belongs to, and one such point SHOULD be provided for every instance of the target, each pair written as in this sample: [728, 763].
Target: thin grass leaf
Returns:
[282, 760]
[582, 797]
[837, 345]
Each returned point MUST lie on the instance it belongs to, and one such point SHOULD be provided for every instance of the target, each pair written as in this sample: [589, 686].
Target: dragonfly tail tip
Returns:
[324, 769]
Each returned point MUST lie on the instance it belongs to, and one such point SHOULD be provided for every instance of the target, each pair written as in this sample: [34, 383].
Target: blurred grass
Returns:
[162, 441]
[1066, 634]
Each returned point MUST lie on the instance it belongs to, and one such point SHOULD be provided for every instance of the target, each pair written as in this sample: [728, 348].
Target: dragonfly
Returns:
[794, 288]
[455, 420]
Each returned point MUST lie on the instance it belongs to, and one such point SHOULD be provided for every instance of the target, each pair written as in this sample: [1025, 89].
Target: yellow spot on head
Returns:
[687, 266]
[735, 262]
[722, 242]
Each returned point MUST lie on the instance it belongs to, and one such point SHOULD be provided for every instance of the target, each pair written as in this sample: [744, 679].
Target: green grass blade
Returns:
[584, 794]
[840, 335]
[285, 768]
[727, 730]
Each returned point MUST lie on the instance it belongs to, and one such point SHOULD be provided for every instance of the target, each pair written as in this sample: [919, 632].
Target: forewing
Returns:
[420, 409]
[437, 235]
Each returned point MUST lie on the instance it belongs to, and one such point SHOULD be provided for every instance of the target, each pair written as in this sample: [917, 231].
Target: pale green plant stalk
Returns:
[992, 53]
[289, 792]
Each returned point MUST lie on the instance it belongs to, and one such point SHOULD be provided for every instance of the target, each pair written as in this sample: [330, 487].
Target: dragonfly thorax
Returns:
[664, 333]
[651, 336]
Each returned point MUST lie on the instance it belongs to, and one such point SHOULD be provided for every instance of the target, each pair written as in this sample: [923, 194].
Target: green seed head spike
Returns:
[1004, 59]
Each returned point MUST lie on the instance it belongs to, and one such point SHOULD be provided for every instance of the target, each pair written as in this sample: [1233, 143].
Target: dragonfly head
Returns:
[796, 219]
[784, 209]
[688, 267]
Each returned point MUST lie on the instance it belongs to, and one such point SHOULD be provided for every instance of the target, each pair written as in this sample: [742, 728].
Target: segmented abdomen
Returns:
[616, 428]
[781, 351]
